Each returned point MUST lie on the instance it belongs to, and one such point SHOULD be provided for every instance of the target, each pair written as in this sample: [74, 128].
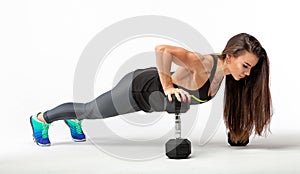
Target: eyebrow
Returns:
[247, 64]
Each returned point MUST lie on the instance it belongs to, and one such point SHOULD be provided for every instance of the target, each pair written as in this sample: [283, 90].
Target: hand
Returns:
[180, 94]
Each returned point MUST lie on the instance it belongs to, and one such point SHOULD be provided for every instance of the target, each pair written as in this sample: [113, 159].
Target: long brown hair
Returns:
[247, 102]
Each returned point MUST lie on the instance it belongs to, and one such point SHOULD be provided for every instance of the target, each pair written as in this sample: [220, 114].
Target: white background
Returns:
[41, 42]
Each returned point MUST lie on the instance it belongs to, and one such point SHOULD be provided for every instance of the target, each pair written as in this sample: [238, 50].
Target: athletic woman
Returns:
[247, 102]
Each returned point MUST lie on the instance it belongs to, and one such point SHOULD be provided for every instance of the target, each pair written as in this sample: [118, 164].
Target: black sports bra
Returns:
[201, 95]
[146, 81]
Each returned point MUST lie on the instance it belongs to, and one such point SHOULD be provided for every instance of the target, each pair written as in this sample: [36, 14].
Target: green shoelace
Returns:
[45, 130]
[78, 127]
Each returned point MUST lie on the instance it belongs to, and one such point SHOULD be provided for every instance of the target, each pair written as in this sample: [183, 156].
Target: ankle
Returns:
[40, 117]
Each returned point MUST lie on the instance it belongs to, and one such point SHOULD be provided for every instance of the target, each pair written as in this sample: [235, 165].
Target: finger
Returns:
[177, 96]
[183, 97]
[189, 98]
[170, 97]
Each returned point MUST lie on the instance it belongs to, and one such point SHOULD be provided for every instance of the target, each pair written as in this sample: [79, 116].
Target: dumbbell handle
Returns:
[177, 126]
[176, 107]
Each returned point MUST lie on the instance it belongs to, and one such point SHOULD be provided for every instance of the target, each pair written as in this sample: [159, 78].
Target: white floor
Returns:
[278, 153]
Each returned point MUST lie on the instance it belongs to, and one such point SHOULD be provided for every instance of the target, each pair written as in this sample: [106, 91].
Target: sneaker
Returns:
[76, 131]
[40, 131]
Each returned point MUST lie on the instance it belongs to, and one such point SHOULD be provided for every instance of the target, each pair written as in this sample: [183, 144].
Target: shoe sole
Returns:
[34, 139]
[76, 140]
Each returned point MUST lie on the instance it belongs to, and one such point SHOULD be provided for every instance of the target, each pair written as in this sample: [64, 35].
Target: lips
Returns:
[242, 76]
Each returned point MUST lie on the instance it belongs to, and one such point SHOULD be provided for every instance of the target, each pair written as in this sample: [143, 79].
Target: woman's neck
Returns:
[223, 67]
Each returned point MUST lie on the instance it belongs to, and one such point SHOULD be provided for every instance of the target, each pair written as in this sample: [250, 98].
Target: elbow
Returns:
[160, 48]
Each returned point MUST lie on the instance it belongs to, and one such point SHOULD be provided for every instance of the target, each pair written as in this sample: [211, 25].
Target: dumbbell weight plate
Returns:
[178, 148]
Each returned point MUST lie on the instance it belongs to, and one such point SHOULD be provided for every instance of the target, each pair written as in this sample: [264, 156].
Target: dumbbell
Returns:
[177, 148]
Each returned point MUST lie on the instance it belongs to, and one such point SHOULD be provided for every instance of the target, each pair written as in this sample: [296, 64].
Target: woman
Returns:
[247, 106]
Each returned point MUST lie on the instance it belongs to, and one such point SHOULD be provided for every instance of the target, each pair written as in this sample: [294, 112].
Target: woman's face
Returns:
[240, 66]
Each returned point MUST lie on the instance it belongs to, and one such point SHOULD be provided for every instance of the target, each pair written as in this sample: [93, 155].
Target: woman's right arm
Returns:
[165, 56]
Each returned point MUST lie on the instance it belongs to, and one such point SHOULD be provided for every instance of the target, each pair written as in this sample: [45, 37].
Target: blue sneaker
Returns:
[76, 130]
[40, 131]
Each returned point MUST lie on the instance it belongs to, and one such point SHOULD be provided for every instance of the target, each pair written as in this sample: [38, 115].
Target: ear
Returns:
[229, 55]
[228, 58]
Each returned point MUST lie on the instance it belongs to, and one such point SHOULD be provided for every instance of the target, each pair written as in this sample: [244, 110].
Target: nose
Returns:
[247, 72]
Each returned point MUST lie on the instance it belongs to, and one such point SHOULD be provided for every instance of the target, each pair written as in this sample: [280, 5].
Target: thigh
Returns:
[115, 102]
[121, 94]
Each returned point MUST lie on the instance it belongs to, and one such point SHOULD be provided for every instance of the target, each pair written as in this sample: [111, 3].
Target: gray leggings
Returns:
[117, 101]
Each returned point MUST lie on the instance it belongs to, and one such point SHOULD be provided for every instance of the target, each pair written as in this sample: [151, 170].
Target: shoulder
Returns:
[202, 62]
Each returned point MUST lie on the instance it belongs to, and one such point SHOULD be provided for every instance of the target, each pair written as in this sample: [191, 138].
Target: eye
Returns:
[245, 66]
